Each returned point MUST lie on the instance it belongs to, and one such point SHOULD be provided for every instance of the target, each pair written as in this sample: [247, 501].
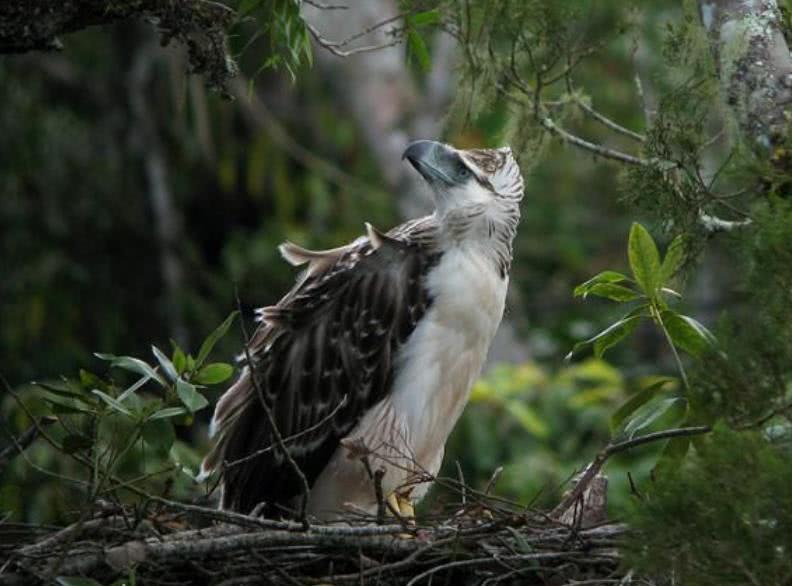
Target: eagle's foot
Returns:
[406, 510]
[402, 508]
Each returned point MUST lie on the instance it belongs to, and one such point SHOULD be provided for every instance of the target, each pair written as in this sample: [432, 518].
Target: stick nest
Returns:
[172, 543]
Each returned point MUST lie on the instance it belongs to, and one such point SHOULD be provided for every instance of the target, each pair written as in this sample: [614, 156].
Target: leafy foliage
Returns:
[721, 519]
[122, 439]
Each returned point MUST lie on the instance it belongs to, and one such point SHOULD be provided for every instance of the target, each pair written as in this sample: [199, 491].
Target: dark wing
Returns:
[322, 356]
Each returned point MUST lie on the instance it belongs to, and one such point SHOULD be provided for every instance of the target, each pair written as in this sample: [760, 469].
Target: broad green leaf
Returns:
[133, 365]
[672, 455]
[609, 336]
[639, 398]
[687, 333]
[65, 405]
[114, 403]
[65, 392]
[168, 412]
[131, 389]
[647, 414]
[418, 49]
[603, 277]
[192, 399]
[674, 256]
[671, 292]
[614, 334]
[426, 17]
[179, 359]
[644, 259]
[212, 339]
[167, 366]
[75, 442]
[158, 434]
[90, 381]
[214, 373]
[613, 292]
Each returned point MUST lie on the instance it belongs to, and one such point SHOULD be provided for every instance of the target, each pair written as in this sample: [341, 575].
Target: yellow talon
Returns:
[393, 503]
[406, 510]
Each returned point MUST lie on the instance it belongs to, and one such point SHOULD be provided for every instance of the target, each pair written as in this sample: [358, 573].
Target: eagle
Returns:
[368, 361]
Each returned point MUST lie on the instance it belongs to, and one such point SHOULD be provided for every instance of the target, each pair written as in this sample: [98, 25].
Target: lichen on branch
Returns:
[200, 25]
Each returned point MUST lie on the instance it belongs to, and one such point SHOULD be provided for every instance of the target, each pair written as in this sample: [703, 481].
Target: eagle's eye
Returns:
[463, 171]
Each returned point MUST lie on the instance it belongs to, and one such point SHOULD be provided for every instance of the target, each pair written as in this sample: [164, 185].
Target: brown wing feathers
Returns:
[330, 340]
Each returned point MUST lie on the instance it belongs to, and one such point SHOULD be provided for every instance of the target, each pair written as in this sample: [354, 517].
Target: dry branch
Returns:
[475, 548]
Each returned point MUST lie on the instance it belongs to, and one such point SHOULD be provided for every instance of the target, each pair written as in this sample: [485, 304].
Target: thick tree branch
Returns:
[200, 25]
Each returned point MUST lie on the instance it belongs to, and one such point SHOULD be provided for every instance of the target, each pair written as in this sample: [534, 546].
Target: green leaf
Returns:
[418, 49]
[687, 333]
[644, 259]
[649, 413]
[192, 399]
[179, 359]
[615, 334]
[212, 339]
[158, 434]
[426, 17]
[66, 392]
[75, 442]
[675, 254]
[90, 381]
[603, 277]
[132, 365]
[614, 292]
[609, 336]
[112, 402]
[65, 405]
[167, 366]
[131, 389]
[214, 373]
[168, 412]
[672, 455]
[637, 399]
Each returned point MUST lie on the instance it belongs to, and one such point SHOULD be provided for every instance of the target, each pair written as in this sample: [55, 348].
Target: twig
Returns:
[289, 439]
[334, 47]
[463, 494]
[322, 6]
[273, 424]
[715, 224]
[598, 150]
[596, 465]
[605, 121]
[23, 442]
[256, 110]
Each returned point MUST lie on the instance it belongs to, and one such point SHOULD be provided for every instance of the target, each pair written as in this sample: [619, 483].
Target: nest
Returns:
[484, 540]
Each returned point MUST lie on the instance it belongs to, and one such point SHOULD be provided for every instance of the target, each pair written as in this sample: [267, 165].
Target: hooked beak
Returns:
[430, 159]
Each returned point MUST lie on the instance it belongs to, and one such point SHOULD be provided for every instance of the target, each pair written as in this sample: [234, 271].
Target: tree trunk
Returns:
[754, 65]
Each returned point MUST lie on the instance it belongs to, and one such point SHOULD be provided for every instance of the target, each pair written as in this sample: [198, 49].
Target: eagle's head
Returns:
[466, 178]
[477, 192]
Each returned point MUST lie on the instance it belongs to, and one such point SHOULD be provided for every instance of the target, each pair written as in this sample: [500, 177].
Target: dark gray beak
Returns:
[431, 159]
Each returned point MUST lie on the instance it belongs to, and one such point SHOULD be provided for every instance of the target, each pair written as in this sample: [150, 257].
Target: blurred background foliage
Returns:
[136, 206]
